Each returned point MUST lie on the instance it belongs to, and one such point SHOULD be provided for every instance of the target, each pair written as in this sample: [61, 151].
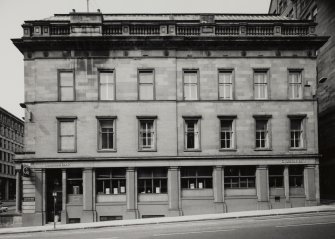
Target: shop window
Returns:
[111, 181]
[276, 176]
[74, 181]
[296, 176]
[239, 177]
[110, 218]
[196, 177]
[152, 180]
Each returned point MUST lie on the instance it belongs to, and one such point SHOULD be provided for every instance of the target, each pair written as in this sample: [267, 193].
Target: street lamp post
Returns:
[54, 194]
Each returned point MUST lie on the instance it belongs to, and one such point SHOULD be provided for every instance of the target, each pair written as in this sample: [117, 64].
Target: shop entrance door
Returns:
[54, 185]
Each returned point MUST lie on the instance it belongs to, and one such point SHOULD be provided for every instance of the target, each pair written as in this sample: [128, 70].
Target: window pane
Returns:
[106, 77]
[67, 128]
[66, 93]
[107, 92]
[190, 85]
[67, 143]
[146, 77]
[66, 79]
[146, 92]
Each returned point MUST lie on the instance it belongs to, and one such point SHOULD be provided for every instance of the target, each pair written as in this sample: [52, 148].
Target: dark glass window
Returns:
[239, 177]
[296, 176]
[111, 181]
[74, 181]
[152, 180]
[276, 176]
[196, 177]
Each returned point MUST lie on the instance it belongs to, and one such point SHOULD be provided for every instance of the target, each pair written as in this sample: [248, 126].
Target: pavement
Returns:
[193, 218]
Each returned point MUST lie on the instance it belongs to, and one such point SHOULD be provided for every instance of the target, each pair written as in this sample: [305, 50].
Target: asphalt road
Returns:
[304, 226]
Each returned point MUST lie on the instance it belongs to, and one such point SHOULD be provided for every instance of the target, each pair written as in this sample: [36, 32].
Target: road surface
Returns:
[304, 226]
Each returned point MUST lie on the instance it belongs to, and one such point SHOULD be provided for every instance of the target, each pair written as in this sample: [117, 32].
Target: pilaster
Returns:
[218, 188]
[262, 187]
[88, 214]
[174, 191]
[131, 193]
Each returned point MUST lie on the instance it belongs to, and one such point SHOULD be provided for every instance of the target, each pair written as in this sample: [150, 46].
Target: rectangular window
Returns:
[66, 86]
[67, 135]
[225, 84]
[74, 181]
[295, 85]
[262, 134]
[239, 177]
[146, 84]
[147, 134]
[190, 78]
[297, 132]
[196, 177]
[111, 181]
[276, 176]
[261, 84]
[106, 133]
[227, 136]
[192, 134]
[152, 180]
[107, 85]
[296, 176]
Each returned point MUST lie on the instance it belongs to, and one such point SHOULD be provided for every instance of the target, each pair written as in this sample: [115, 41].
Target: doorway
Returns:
[54, 184]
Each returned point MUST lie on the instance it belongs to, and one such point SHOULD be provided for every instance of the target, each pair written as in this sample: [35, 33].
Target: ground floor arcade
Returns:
[93, 191]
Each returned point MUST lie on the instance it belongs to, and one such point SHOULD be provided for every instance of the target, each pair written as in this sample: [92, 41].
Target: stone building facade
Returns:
[150, 115]
[11, 141]
[322, 12]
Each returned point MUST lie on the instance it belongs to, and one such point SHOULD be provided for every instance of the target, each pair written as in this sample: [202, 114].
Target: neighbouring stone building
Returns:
[150, 115]
[11, 141]
[323, 13]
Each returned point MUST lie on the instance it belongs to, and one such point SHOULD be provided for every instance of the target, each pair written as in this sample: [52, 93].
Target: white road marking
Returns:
[307, 224]
[183, 233]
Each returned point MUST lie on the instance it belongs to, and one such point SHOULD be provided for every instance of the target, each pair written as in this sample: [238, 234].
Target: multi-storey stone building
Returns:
[323, 13]
[148, 115]
[11, 141]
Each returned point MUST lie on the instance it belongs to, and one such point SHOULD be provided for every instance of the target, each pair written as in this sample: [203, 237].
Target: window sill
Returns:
[192, 150]
[59, 151]
[228, 150]
[106, 151]
[263, 149]
[147, 150]
[297, 149]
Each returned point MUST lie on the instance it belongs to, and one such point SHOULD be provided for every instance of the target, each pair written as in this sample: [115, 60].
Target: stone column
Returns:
[174, 191]
[131, 192]
[88, 214]
[64, 197]
[262, 186]
[218, 188]
[309, 181]
[40, 198]
[287, 187]
[18, 192]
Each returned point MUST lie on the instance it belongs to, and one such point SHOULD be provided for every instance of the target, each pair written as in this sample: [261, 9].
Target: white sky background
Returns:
[14, 12]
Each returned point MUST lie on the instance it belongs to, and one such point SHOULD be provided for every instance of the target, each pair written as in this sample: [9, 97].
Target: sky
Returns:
[14, 12]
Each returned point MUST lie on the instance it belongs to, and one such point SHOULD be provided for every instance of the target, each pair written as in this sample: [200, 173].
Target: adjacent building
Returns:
[11, 141]
[322, 12]
[151, 115]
